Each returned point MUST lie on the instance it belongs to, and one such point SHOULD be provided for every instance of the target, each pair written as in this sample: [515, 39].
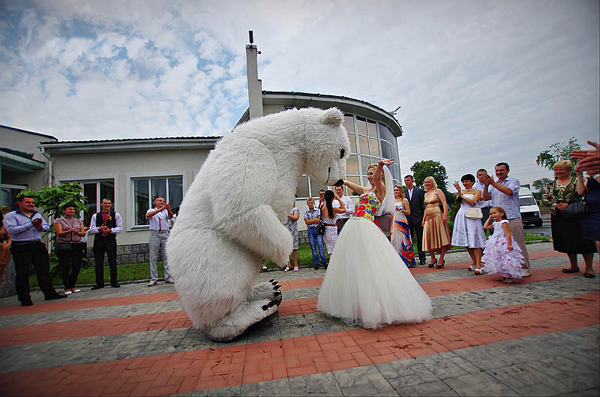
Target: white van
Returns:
[530, 212]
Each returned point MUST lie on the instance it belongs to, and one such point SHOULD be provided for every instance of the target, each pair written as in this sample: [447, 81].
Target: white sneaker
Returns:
[74, 290]
[151, 283]
[68, 292]
[169, 281]
[286, 269]
[296, 269]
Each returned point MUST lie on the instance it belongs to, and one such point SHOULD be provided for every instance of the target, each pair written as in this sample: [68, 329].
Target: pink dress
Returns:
[498, 259]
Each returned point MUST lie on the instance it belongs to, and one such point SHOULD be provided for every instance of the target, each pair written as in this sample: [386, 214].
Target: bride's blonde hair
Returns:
[375, 166]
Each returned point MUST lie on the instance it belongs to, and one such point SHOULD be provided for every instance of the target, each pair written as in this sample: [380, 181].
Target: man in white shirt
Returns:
[341, 219]
[159, 233]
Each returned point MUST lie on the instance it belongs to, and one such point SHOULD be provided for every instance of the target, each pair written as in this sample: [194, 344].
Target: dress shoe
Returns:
[57, 296]
[169, 281]
[27, 303]
[151, 283]
[316, 267]
[97, 287]
[115, 285]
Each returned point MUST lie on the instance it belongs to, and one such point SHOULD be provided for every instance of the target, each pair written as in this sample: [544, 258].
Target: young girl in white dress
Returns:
[367, 283]
[502, 255]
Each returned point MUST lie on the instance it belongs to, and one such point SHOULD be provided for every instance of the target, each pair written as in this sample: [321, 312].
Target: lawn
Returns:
[141, 271]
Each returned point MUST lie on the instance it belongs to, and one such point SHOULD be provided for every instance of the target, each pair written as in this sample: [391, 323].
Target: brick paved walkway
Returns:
[537, 337]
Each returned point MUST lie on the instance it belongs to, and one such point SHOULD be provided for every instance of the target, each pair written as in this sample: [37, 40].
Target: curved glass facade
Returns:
[370, 141]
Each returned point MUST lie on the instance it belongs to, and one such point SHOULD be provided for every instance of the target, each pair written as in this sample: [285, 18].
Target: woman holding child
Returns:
[367, 282]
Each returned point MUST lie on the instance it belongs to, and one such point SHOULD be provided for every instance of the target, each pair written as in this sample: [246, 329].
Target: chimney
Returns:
[255, 103]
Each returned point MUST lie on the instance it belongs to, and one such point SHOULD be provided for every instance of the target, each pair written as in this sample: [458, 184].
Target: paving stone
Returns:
[479, 384]
[279, 387]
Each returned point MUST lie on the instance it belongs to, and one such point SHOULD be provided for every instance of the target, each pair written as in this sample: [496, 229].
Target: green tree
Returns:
[556, 152]
[425, 168]
[540, 184]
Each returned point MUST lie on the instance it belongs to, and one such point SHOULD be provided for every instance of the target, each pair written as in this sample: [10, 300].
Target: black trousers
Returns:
[417, 229]
[341, 223]
[109, 246]
[70, 264]
[23, 255]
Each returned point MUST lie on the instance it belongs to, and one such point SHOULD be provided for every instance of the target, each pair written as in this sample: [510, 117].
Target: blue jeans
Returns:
[316, 239]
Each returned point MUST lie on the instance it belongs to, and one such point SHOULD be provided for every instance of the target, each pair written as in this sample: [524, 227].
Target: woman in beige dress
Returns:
[436, 235]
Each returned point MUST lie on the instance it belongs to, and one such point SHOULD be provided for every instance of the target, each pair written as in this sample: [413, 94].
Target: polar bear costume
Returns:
[230, 218]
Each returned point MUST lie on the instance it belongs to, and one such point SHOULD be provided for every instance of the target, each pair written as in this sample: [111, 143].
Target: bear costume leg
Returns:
[244, 316]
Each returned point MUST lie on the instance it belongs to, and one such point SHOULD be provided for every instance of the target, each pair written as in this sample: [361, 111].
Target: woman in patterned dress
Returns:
[400, 229]
[328, 214]
[367, 283]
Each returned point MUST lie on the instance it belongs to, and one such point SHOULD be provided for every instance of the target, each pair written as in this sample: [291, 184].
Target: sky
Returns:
[478, 81]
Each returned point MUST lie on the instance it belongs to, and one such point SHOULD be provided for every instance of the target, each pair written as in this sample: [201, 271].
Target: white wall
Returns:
[122, 167]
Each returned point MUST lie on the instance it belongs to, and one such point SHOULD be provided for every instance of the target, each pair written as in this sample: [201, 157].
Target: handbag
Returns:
[321, 228]
[576, 208]
[64, 247]
[474, 213]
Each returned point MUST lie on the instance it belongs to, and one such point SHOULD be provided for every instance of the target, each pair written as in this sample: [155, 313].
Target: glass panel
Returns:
[107, 190]
[361, 124]
[302, 190]
[387, 151]
[385, 133]
[352, 165]
[175, 193]
[372, 127]
[363, 142]
[159, 189]
[315, 186]
[349, 123]
[142, 200]
[365, 161]
[89, 191]
[352, 138]
[9, 197]
[374, 147]
[353, 179]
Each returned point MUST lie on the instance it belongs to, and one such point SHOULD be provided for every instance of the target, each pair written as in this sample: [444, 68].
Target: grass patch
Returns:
[87, 275]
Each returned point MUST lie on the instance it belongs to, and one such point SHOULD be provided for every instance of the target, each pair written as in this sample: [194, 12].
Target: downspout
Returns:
[50, 170]
[50, 179]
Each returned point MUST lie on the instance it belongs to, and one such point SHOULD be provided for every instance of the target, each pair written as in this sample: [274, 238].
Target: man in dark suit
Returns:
[416, 198]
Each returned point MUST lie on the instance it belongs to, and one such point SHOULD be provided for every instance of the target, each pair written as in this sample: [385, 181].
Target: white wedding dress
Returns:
[367, 283]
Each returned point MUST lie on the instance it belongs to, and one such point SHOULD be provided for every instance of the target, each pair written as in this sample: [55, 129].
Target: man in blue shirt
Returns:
[25, 227]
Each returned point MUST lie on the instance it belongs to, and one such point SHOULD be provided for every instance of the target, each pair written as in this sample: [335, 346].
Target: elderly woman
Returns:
[436, 235]
[566, 233]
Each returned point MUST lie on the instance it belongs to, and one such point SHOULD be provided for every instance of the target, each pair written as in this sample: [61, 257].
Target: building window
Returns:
[94, 192]
[9, 195]
[145, 190]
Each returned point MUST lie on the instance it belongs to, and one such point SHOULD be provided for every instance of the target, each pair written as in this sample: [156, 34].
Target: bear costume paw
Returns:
[244, 317]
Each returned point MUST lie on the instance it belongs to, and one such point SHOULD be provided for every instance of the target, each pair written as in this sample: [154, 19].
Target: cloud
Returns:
[476, 81]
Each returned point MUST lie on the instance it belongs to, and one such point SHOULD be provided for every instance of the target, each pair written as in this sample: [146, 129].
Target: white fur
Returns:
[230, 219]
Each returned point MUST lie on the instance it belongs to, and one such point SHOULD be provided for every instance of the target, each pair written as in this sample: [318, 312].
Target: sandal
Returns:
[296, 269]
[286, 269]
[432, 264]
[472, 267]
[441, 265]
[571, 270]
[478, 272]
[589, 275]
[510, 281]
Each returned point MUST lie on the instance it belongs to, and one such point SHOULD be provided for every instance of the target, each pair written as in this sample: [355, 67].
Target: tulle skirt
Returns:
[498, 259]
[367, 283]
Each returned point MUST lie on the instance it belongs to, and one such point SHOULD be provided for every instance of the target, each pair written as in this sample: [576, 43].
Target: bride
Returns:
[366, 282]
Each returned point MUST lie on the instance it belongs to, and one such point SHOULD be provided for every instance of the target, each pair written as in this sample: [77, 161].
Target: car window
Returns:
[527, 200]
